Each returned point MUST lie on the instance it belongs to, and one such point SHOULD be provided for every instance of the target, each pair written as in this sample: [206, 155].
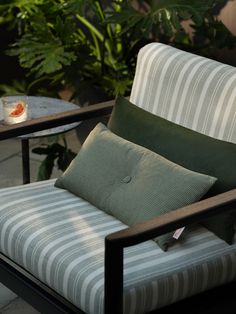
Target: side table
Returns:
[38, 107]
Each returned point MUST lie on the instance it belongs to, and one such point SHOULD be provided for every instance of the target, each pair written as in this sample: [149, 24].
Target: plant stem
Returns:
[94, 31]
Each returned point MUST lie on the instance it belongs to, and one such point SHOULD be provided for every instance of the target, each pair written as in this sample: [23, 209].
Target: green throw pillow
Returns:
[183, 146]
[130, 182]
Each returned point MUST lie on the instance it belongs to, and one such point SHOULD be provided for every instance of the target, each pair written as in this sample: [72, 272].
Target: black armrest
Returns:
[173, 220]
[116, 242]
[50, 121]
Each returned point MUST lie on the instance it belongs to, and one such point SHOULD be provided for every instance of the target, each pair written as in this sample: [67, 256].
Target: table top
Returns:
[43, 106]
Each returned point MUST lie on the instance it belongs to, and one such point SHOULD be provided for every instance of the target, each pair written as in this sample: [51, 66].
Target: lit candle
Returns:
[14, 111]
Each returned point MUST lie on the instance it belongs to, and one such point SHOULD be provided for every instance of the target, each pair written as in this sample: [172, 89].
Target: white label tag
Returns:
[178, 233]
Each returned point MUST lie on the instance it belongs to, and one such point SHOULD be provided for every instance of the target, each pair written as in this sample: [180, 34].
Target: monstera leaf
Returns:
[162, 17]
[41, 51]
[42, 58]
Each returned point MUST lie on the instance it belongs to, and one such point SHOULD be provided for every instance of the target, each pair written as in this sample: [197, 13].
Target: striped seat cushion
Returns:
[59, 238]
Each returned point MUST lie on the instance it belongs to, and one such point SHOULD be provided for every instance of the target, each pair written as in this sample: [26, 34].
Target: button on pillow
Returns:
[130, 182]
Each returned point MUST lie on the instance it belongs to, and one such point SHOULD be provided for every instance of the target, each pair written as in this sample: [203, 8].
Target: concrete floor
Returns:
[11, 162]
[11, 175]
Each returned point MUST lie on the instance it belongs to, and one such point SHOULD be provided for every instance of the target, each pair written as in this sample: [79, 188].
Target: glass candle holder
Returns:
[14, 111]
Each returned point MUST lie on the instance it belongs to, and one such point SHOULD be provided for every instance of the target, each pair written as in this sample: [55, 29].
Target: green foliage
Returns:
[69, 44]
[84, 45]
[42, 58]
[54, 152]
[16, 88]
[89, 48]
[162, 20]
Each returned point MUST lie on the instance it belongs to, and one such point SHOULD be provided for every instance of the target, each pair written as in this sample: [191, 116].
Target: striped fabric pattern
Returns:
[59, 238]
[187, 89]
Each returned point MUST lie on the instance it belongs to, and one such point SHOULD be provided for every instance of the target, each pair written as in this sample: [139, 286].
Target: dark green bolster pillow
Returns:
[129, 181]
[185, 147]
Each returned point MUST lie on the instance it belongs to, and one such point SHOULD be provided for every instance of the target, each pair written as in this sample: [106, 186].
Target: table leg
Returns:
[25, 160]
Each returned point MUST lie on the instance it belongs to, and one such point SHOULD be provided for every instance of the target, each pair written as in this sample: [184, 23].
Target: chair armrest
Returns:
[117, 241]
[173, 220]
[50, 121]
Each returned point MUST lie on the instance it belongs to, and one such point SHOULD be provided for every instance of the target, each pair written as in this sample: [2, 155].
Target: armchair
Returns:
[113, 268]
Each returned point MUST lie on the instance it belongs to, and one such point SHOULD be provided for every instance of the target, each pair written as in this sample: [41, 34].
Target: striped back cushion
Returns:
[187, 89]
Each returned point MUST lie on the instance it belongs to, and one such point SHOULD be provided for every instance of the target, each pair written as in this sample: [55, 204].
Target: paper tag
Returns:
[178, 233]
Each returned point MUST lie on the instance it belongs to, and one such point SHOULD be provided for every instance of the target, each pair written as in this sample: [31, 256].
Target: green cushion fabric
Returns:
[183, 146]
[129, 181]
